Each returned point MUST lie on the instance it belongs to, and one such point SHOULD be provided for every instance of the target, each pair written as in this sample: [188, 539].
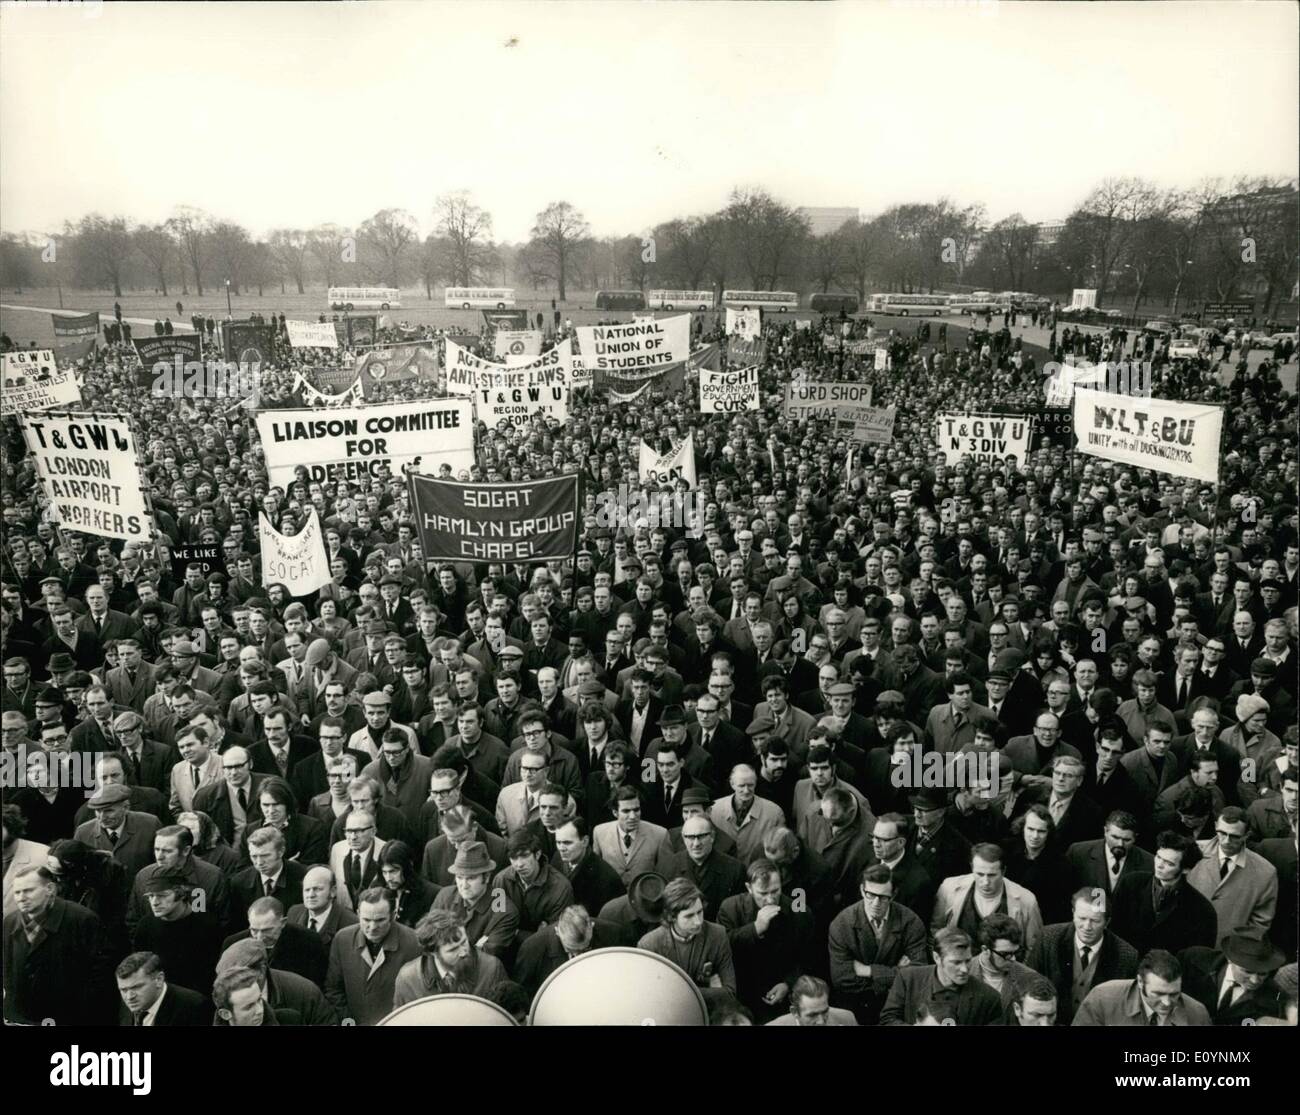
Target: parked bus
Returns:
[833, 303]
[974, 304]
[620, 300]
[907, 305]
[364, 298]
[779, 300]
[479, 297]
[680, 300]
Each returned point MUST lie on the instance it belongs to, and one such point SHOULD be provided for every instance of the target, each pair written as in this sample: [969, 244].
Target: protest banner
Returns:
[631, 396]
[726, 392]
[747, 323]
[983, 437]
[830, 342]
[881, 359]
[90, 469]
[744, 351]
[636, 350]
[362, 330]
[297, 561]
[152, 351]
[312, 334]
[66, 355]
[517, 342]
[530, 521]
[579, 374]
[76, 325]
[1082, 299]
[868, 426]
[365, 441]
[397, 364]
[246, 342]
[668, 468]
[310, 396]
[1181, 439]
[801, 323]
[330, 379]
[505, 319]
[1242, 307]
[810, 398]
[206, 555]
[32, 381]
[511, 395]
[859, 347]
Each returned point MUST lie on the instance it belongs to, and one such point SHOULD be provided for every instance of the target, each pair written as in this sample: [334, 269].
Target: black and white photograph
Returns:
[595, 514]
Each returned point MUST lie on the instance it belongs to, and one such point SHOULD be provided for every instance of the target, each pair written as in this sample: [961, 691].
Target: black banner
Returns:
[66, 355]
[361, 330]
[207, 554]
[1056, 423]
[165, 350]
[246, 342]
[506, 319]
[1242, 307]
[531, 522]
[82, 325]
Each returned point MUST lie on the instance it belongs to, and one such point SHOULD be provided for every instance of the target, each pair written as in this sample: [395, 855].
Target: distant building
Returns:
[826, 219]
[1049, 232]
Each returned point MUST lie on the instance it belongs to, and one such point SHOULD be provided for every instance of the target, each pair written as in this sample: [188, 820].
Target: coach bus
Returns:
[479, 298]
[620, 300]
[364, 298]
[833, 303]
[779, 300]
[680, 300]
[907, 305]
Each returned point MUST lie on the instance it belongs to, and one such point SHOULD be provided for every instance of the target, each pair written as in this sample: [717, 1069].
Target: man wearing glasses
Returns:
[870, 942]
[403, 774]
[519, 804]
[998, 966]
[1240, 884]
[230, 800]
[355, 859]
[1029, 756]
[1216, 677]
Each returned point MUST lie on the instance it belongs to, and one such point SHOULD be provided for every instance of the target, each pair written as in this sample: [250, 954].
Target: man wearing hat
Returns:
[630, 917]
[185, 661]
[116, 829]
[187, 940]
[492, 921]
[1267, 684]
[282, 991]
[1235, 982]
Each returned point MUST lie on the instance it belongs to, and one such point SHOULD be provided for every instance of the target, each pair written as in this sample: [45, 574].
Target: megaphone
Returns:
[619, 987]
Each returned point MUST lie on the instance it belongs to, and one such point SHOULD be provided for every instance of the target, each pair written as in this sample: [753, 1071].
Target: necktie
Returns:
[706, 739]
[137, 1017]
[627, 840]
[1225, 1000]
[312, 923]
[1085, 953]
[243, 799]
[195, 776]
[1225, 869]
[268, 887]
[1154, 1020]
[1179, 687]
[595, 758]
[668, 798]
[876, 927]
[354, 871]
[112, 838]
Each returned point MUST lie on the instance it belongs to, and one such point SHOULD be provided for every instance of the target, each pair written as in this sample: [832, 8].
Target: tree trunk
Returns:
[300, 290]
[117, 288]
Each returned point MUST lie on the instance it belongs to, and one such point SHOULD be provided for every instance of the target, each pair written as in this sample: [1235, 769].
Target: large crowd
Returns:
[852, 734]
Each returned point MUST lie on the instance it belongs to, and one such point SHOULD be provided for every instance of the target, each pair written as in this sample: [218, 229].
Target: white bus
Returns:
[680, 300]
[779, 300]
[364, 298]
[479, 297]
[906, 305]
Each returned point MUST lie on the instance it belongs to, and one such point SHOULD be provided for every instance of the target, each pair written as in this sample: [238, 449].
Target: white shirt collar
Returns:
[152, 1013]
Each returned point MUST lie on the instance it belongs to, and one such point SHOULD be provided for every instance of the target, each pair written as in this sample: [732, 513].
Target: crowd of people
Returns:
[852, 734]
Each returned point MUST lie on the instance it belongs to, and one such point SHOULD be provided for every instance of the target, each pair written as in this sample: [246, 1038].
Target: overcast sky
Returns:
[292, 115]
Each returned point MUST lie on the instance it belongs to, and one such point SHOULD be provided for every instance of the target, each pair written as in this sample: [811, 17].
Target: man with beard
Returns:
[449, 963]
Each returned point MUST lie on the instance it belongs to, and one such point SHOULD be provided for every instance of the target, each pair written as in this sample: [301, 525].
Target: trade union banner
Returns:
[297, 561]
[89, 467]
[246, 342]
[668, 468]
[531, 521]
[809, 398]
[517, 342]
[76, 325]
[314, 398]
[361, 330]
[397, 364]
[868, 425]
[745, 323]
[312, 334]
[186, 348]
[727, 392]
[511, 395]
[746, 350]
[72, 351]
[983, 438]
[1181, 439]
[32, 381]
[351, 442]
[206, 555]
[505, 319]
[636, 350]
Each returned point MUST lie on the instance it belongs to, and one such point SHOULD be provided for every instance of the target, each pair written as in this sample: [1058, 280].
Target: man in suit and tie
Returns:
[231, 800]
[717, 875]
[126, 835]
[133, 680]
[320, 912]
[1155, 998]
[518, 805]
[278, 753]
[663, 797]
[355, 859]
[639, 713]
[950, 726]
[868, 943]
[1159, 909]
[1244, 642]
[269, 875]
[200, 766]
[1075, 817]
[102, 623]
[1082, 953]
[1240, 884]
[1179, 687]
[149, 1000]
[1102, 863]
[627, 843]
[1235, 981]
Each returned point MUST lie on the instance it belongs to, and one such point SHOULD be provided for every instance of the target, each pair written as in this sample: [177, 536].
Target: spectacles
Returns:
[234, 766]
[358, 832]
[1004, 954]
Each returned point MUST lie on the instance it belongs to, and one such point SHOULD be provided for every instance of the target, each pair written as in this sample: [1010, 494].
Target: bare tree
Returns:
[232, 254]
[157, 246]
[861, 251]
[290, 247]
[826, 262]
[766, 235]
[103, 245]
[556, 232]
[192, 227]
[388, 238]
[1009, 248]
[435, 254]
[328, 244]
[467, 231]
[691, 249]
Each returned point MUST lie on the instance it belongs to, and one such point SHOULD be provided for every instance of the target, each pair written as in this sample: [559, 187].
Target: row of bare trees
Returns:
[1128, 238]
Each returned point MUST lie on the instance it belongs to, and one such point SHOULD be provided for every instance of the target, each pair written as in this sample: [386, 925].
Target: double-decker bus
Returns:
[478, 297]
[680, 300]
[778, 300]
[620, 300]
[364, 298]
[909, 305]
[833, 303]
